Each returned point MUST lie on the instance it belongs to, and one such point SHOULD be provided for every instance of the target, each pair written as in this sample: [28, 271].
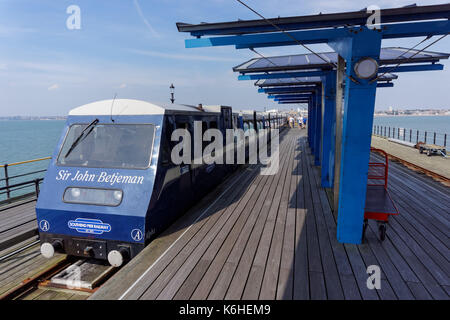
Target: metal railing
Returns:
[410, 135]
[8, 188]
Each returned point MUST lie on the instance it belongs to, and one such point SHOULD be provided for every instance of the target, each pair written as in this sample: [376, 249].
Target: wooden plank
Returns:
[239, 180]
[424, 257]
[427, 210]
[408, 217]
[257, 270]
[135, 272]
[155, 287]
[19, 234]
[348, 281]
[360, 271]
[285, 288]
[422, 273]
[273, 264]
[246, 255]
[398, 285]
[317, 280]
[436, 263]
[171, 288]
[219, 292]
[419, 291]
[301, 272]
[332, 280]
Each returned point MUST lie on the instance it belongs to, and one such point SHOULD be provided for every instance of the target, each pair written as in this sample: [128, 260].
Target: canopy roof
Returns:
[408, 13]
[388, 56]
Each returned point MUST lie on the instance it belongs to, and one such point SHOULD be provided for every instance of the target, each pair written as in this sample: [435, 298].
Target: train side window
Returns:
[213, 125]
[184, 125]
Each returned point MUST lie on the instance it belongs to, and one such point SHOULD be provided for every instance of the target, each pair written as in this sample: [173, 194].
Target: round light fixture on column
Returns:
[366, 68]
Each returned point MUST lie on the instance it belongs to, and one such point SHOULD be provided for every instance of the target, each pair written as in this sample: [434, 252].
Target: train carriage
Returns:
[111, 185]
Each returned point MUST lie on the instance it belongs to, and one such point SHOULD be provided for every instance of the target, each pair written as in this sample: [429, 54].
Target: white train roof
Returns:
[125, 107]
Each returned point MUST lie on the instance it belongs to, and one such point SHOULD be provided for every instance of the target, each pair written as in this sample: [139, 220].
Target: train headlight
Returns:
[366, 68]
[118, 195]
[96, 196]
[75, 192]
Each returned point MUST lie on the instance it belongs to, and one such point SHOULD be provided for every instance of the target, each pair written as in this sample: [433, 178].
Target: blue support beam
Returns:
[288, 96]
[352, 43]
[287, 89]
[359, 105]
[313, 124]
[412, 68]
[292, 102]
[281, 75]
[385, 85]
[381, 70]
[308, 123]
[317, 127]
[389, 31]
[329, 130]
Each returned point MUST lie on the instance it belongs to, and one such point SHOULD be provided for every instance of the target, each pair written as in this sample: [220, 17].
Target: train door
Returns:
[185, 180]
[227, 118]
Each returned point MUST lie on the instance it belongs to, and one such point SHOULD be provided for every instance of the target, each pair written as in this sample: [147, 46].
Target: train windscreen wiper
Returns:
[89, 127]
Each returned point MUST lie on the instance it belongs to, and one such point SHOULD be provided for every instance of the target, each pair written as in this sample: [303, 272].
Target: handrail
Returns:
[34, 181]
[7, 177]
[23, 162]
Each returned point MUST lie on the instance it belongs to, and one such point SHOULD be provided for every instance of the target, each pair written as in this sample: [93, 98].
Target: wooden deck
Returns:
[17, 222]
[274, 237]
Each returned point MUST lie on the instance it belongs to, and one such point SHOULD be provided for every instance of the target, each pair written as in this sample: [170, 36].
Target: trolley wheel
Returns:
[429, 152]
[366, 223]
[382, 231]
[421, 150]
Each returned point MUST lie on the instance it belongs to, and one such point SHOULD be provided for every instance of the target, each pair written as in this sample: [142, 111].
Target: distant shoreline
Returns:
[18, 118]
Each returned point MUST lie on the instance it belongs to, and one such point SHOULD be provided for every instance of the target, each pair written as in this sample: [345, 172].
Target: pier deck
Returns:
[17, 222]
[274, 237]
[436, 163]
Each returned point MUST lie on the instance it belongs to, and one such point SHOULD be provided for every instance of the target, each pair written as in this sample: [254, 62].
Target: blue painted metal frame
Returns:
[352, 43]
[317, 127]
[287, 89]
[282, 75]
[288, 96]
[329, 129]
[356, 135]
[391, 31]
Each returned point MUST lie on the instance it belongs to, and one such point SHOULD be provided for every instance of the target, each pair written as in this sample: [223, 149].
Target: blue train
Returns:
[111, 185]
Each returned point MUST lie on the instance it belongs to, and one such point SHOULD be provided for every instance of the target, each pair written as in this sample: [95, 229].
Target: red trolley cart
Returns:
[379, 204]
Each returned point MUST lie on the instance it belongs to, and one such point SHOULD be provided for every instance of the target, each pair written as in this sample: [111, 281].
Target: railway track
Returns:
[66, 278]
[436, 176]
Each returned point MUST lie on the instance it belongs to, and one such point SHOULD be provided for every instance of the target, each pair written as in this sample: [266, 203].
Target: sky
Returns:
[132, 48]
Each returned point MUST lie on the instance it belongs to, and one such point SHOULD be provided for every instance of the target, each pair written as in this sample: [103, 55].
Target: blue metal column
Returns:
[313, 123]
[310, 121]
[359, 107]
[317, 126]
[329, 130]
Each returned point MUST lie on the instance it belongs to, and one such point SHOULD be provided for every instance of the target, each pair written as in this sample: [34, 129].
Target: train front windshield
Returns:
[126, 146]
